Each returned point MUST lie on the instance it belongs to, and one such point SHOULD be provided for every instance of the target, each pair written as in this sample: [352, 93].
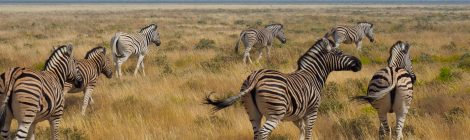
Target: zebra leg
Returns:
[86, 98]
[6, 125]
[384, 129]
[119, 62]
[260, 54]
[310, 122]
[359, 45]
[31, 131]
[247, 55]
[23, 130]
[401, 106]
[139, 61]
[253, 113]
[54, 122]
[142, 67]
[301, 125]
[268, 127]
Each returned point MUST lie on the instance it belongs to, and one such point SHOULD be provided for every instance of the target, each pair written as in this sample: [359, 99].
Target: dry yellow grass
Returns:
[166, 104]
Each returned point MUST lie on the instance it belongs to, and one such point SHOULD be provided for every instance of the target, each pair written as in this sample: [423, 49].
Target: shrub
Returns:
[426, 58]
[454, 115]
[464, 61]
[240, 22]
[205, 44]
[447, 74]
[451, 46]
[330, 105]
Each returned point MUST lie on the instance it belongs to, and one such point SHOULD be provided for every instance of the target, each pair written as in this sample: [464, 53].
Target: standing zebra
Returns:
[391, 89]
[95, 62]
[31, 97]
[348, 34]
[125, 45]
[260, 38]
[290, 97]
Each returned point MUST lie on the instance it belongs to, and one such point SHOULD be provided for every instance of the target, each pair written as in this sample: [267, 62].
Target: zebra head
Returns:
[152, 33]
[99, 55]
[278, 32]
[368, 29]
[62, 59]
[324, 56]
[400, 57]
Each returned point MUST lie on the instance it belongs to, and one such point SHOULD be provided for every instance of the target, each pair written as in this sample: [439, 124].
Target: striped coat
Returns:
[293, 96]
[260, 39]
[90, 68]
[31, 97]
[391, 89]
[352, 34]
[124, 45]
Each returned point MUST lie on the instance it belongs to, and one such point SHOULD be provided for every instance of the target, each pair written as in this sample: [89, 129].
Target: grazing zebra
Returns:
[348, 35]
[31, 97]
[95, 62]
[260, 38]
[290, 97]
[391, 89]
[125, 45]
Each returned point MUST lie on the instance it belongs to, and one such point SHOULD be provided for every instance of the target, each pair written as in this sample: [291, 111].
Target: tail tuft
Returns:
[220, 104]
[362, 99]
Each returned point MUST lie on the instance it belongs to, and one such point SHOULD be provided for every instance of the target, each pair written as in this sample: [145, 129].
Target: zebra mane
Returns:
[394, 47]
[63, 49]
[95, 50]
[371, 25]
[151, 25]
[275, 24]
[316, 48]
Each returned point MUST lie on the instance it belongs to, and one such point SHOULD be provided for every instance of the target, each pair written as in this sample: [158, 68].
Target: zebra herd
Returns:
[296, 96]
[31, 97]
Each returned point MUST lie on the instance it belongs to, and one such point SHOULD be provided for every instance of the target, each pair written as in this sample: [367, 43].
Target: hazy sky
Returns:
[235, 1]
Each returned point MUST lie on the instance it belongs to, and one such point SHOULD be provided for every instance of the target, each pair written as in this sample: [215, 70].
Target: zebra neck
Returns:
[148, 37]
[314, 66]
[57, 73]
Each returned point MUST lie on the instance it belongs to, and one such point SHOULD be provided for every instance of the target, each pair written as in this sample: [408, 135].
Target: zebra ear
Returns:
[69, 49]
[325, 43]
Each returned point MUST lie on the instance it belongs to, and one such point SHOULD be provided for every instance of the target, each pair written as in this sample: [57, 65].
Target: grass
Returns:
[167, 103]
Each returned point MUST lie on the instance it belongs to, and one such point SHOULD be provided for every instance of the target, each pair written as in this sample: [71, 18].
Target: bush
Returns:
[447, 74]
[330, 105]
[426, 58]
[454, 115]
[205, 44]
[240, 22]
[464, 61]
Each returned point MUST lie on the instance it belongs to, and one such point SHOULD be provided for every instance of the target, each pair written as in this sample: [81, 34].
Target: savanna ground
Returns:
[196, 58]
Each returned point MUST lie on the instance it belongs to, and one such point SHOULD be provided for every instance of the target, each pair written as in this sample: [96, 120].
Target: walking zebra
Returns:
[290, 97]
[391, 89]
[95, 62]
[348, 34]
[31, 97]
[125, 45]
[260, 39]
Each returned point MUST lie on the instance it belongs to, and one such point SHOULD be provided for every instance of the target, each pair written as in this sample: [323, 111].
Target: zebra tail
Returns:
[114, 44]
[238, 42]
[8, 83]
[377, 96]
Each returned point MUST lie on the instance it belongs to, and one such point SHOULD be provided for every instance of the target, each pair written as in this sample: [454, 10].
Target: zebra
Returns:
[260, 38]
[350, 34]
[95, 62]
[289, 97]
[31, 97]
[125, 45]
[391, 89]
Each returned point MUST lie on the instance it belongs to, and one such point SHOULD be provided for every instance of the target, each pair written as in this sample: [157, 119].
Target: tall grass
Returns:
[196, 58]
